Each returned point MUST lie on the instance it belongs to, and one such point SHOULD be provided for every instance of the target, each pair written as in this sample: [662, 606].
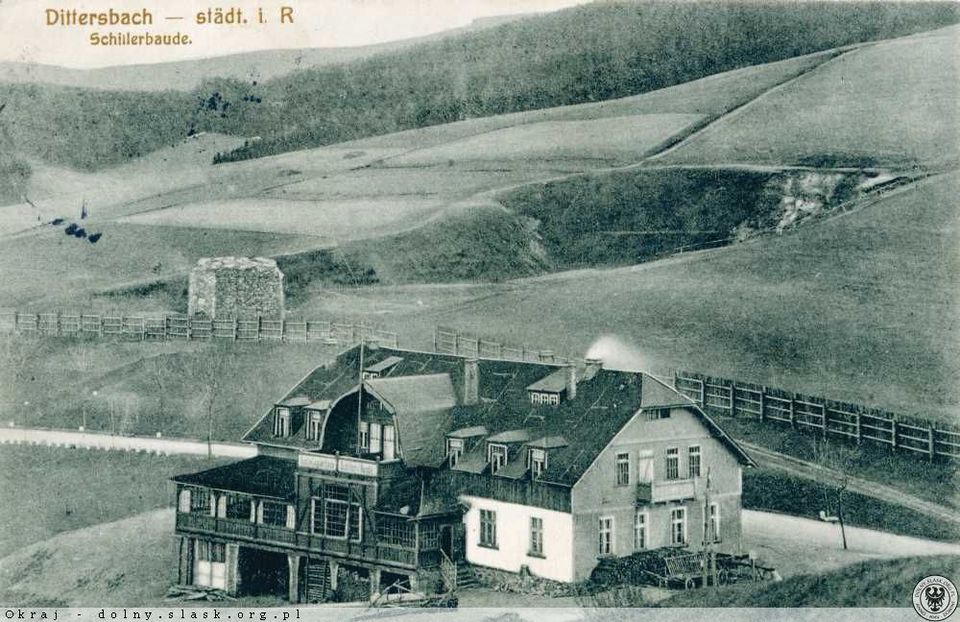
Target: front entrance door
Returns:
[446, 540]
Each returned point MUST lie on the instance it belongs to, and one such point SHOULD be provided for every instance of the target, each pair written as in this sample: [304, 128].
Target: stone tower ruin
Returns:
[236, 288]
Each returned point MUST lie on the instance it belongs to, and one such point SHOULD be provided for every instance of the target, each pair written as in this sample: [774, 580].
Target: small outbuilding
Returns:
[236, 288]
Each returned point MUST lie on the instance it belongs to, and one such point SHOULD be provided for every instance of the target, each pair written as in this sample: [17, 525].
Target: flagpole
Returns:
[360, 396]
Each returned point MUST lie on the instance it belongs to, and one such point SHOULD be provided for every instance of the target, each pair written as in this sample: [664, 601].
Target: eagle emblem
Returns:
[934, 596]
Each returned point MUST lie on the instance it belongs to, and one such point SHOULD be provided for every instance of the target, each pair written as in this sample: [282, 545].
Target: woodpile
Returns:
[196, 592]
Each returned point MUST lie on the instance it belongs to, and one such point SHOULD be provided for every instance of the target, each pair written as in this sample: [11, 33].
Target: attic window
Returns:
[496, 456]
[454, 450]
[382, 368]
[314, 427]
[657, 413]
[281, 422]
[549, 399]
[536, 462]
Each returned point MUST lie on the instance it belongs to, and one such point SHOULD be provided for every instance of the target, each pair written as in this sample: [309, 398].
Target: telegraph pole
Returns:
[360, 396]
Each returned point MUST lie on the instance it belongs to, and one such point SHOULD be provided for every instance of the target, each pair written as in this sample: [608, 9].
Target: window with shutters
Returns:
[375, 438]
[389, 442]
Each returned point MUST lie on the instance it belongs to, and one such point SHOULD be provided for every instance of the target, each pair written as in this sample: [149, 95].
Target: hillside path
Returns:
[810, 470]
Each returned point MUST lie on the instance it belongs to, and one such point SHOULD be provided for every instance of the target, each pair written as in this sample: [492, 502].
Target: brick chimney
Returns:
[471, 381]
[571, 381]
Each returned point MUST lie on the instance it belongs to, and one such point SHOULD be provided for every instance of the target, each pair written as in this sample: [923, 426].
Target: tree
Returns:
[837, 461]
[208, 367]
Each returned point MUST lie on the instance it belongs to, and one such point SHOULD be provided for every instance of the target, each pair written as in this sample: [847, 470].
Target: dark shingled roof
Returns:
[604, 404]
[262, 475]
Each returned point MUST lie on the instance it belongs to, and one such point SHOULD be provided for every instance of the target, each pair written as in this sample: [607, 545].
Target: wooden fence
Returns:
[821, 415]
[452, 341]
[181, 327]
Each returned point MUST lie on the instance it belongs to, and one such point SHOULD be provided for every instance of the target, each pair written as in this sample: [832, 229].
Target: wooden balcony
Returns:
[256, 533]
[665, 491]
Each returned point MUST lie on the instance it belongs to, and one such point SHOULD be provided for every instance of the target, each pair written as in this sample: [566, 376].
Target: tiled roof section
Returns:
[319, 405]
[548, 442]
[260, 475]
[510, 436]
[603, 405]
[422, 406]
[385, 364]
[415, 393]
[516, 468]
[417, 493]
[552, 383]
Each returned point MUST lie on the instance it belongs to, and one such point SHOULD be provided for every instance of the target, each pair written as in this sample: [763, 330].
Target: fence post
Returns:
[823, 418]
[59, 325]
[733, 399]
[930, 444]
[857, 421]
[893, 434]
[435, 330]
[703, 393]
[763, 403]
[236, 328]
[793, 411]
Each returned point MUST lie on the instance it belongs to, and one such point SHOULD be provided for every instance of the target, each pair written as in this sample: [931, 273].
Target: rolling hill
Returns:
[608, 50]
[852, 307]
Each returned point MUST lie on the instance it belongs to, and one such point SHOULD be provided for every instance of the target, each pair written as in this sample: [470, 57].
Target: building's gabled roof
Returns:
[657, 394]
[602, 406]
[261, 475]
[555, 382]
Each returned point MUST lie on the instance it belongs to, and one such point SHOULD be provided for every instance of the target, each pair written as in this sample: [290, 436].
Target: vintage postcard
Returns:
[491, 309]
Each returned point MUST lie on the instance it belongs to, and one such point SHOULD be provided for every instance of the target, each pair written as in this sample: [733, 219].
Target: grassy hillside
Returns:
[607, 51]
[888, 105]
[879, 583]
[72, 489]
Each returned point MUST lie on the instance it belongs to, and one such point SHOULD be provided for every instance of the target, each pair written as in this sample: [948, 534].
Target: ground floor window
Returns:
[606, 536]
[678, 526]
[640, 531]
[210, 569]
[536, 536]
[396, 531]
[488, 528]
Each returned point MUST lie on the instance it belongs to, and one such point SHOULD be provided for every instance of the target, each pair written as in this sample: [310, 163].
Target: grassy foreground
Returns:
[879, 583]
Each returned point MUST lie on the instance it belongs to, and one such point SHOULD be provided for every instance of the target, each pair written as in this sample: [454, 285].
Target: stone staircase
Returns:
[466, 577]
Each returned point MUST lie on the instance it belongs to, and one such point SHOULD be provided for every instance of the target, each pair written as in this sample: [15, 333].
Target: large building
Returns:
[390, 465]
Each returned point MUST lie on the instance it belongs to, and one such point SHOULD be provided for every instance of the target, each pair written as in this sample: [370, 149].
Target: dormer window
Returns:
[496, 456]
[314, 426]
[281, 422]
[541, 398]
[652, 414]
[537, 462]
[454, 450]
